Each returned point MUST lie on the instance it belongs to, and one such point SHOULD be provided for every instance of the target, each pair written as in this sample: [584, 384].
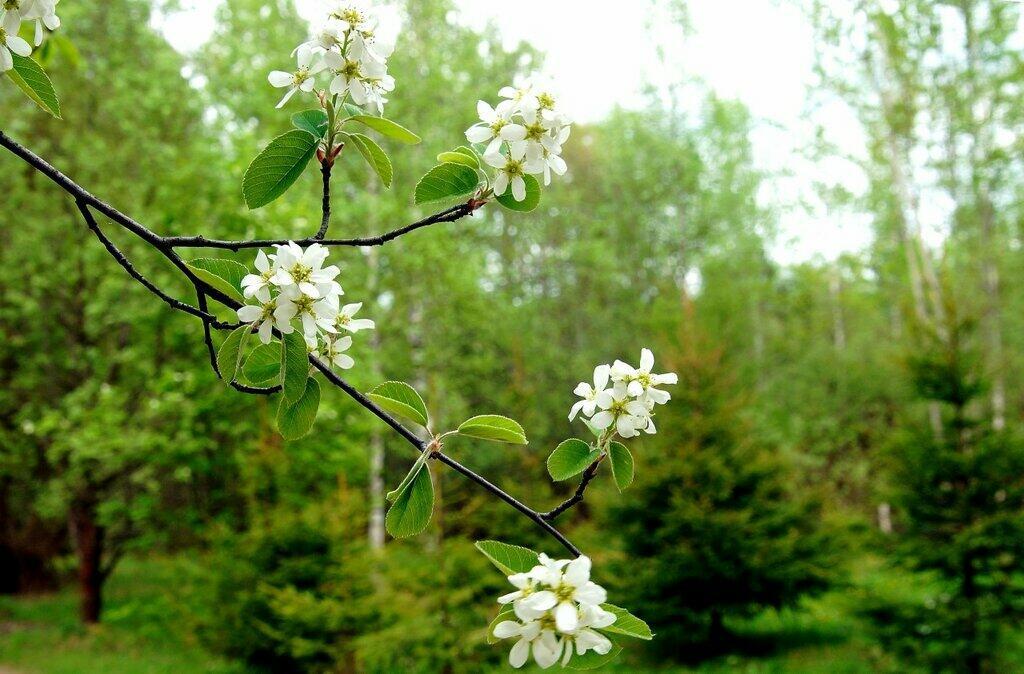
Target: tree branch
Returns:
[588, 475]
[325, 222]
[166, 246]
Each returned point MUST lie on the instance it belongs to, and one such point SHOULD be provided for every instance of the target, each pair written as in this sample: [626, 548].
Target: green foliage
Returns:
[528, 204]
[223, 275]
[312, 121]
[413, 504]
[959, 492]
[386, 127]
[401, 399]
[510, 559]
[460, 155]
[495, 428]
[571, 458]
[294, 365]
[277, 167]
[446, 181]
[231, 353]
[374, 156]
[295, 419]
[622, 464]
[33, 80]
[718, 522]
[627, 624]
[263, 366]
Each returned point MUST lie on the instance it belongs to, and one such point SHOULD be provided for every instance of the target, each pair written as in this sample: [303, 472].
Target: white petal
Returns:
[567, 617]
[479, 134]
[541, 601]
[592, 594]
[576, 409]
[280, 78]
[577, 573]
[19, 46]
[507, 628]
[266, 332]
[519, 188]
[602, 420]
[513, 132]
[520, 653]
[601, 375]
[646, 360]
[249, 313]
[6, 62]
[501, 184]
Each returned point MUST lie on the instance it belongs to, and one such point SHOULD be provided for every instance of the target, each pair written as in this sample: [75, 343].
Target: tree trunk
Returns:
[88, 536]
[375, 531]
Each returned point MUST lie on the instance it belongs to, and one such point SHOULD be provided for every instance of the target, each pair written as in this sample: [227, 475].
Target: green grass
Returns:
[144, 631]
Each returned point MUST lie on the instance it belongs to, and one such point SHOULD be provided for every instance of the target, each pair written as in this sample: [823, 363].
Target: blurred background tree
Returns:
[809, 493]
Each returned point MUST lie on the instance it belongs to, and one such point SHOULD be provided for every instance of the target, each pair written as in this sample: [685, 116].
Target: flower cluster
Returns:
[347, 47]
[12, 14]
[559, 611]
[293, 285]
[628, 404]
[524, 135]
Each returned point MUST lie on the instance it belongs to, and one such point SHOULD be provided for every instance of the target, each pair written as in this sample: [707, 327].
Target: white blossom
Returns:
[523, 135]
[558, 611]
[641, 382]
[10, 42]
[309, 64]
[589, 392]
[511, 169]
[259, 285]
[263, 319]
[346, 319]
[43, 12]
[570, 587]
[304, 270]
[316, 314]
[333, 351]
[628, 406]
[495, 126]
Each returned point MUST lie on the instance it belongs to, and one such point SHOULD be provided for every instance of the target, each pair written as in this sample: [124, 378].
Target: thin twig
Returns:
[116, 253]
[588, 475]
[207, 336]
[325, 222]
[450, 215]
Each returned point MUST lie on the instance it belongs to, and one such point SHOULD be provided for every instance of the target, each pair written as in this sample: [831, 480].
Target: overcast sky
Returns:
[758, 51]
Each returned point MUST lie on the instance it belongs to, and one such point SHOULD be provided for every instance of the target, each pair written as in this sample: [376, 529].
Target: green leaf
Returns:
[411, 511]
[446, 181]
[374, 156]
[591, 660]
[622, 465]
[294, 420]
[294, 366]
[400, 398]
[494, 427]
[313, 121]
[224, 275]
[386, 127]
[277, 168]
[627, 624]
[507, 613]
[263, 365]
[510, 559]
[461, 155]
[532, 197]
[33, 80]
[353, 110]
[230, 355]
[420, 460]
[571, 458]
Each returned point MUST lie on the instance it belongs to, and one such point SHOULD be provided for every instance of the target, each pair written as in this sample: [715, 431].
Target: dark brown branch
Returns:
[166, 245]
[116, 253]
[588, 475]
[207, 336]
[450, 215]
[325, 222]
